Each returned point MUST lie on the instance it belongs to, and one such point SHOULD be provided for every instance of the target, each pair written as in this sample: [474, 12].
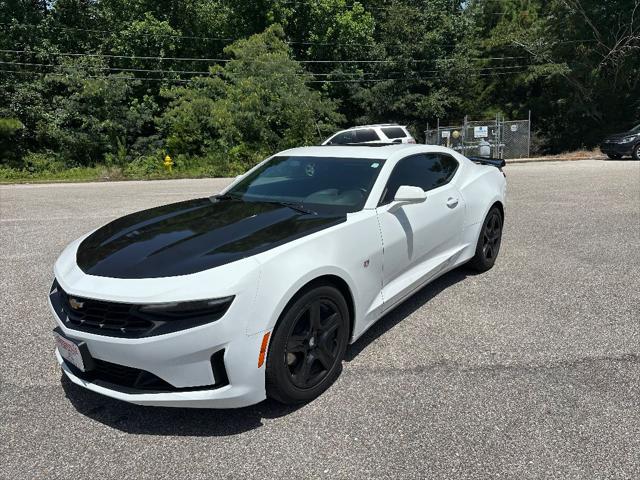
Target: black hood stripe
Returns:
[144, 223]
[188, 237]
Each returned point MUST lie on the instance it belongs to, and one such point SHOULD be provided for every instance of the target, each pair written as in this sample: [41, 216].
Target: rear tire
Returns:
[489, 242]
[614, 156]
[308, 345]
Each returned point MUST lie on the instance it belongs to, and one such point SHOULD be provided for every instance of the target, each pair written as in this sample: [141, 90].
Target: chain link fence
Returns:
[497, 138]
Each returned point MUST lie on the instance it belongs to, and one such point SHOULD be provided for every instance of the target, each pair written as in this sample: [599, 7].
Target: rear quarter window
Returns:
[394, 132]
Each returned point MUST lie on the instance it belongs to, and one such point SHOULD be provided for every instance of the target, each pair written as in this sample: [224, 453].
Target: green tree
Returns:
[147, 37]
[256, 104]
[580, 75]
[93, 115]
[426, 70]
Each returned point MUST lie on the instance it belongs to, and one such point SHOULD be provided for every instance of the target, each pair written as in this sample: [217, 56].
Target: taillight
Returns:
[411, 140]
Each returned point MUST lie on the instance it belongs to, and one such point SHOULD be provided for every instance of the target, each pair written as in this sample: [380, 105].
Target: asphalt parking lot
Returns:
[531, 370]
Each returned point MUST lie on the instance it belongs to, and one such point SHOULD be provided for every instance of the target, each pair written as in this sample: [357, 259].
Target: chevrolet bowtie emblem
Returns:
[75, 304]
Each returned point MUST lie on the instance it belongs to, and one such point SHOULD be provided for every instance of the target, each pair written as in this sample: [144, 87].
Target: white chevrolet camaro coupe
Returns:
[256, 292]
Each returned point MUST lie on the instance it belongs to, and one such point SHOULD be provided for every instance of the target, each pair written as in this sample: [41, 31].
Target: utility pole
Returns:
[529, 136]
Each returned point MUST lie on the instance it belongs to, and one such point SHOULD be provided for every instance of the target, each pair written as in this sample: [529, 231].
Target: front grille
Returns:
[121, 319]
[97, 316]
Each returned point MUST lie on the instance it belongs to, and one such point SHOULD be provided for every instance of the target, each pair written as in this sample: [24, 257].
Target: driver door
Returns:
[420, 239]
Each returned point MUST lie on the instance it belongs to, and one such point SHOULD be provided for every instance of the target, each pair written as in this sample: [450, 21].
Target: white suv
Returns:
[382, 133]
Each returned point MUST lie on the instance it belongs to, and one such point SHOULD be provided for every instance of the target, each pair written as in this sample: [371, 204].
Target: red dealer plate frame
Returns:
[73, 351]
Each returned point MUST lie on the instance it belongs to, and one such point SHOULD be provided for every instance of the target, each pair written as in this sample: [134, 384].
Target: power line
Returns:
[133, 57]
[111, 78]
[336, 74]
[185, 81]
[116, 69]
[111, 68]
[225, 60]
[415, 80]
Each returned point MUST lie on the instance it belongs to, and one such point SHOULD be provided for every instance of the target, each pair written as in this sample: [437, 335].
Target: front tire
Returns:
[636, 152]
[489, 242]
[308, 345]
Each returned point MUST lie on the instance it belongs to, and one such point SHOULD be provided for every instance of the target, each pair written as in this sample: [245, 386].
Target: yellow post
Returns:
[168, 163]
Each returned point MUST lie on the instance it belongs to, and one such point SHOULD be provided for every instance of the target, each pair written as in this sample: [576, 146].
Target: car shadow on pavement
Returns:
[413, 303]
[137, 419]
[142, 420]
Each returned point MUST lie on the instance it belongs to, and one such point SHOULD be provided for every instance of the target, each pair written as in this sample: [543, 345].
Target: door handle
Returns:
[452, 202]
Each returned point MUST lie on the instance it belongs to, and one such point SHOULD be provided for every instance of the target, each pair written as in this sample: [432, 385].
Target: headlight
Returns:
[215, 308]
[628, 139]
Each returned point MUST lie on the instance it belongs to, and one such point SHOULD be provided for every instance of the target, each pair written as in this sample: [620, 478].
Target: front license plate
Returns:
[71, 351]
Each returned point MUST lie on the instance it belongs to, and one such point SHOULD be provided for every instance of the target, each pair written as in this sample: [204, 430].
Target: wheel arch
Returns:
[498, 204]
[328, 278]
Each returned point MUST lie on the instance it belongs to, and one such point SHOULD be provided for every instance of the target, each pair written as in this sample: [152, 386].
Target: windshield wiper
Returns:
[226, 196]
[294, 206]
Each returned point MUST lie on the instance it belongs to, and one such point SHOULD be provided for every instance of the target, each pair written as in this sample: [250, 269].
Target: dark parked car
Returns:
[620, 144]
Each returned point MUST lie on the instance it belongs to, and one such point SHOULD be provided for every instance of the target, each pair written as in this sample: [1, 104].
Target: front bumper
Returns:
[617, 148]
[225, 397]
[183, 360]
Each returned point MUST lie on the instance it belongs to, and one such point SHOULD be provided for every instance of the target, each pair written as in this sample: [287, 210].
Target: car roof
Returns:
[372, 151]
[374, 125]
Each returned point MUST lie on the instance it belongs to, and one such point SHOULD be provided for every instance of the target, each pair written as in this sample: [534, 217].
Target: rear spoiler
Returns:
[494, 162]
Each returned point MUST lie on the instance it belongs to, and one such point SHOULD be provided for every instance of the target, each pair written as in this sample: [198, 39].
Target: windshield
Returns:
[326, 185]
[635, 129]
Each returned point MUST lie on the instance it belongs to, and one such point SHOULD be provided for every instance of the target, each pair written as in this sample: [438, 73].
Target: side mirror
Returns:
[408, 194]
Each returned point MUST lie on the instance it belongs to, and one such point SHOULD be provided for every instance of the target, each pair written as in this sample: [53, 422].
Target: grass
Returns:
[93, 174]
[583, 154]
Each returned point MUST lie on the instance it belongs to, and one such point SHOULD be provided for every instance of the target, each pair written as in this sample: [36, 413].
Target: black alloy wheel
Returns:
[492, 236]
[312, 347]
[489, 242]
[310, 340]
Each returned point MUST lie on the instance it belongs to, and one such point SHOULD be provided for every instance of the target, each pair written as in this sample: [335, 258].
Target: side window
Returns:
[342, 138]
[394, 132]
[366, 135]
[426, 170]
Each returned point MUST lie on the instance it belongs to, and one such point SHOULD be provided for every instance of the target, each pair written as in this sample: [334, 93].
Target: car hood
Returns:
[617, 136]
[188, 237]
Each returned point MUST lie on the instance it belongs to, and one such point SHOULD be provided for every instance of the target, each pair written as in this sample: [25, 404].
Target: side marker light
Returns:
[263, 349]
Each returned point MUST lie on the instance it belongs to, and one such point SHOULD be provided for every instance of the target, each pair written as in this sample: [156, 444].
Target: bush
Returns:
[218, 163]
[539, 144]
[36, 163]
[146, 166]
[9, 126]
[9, 130]
[8, 173]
